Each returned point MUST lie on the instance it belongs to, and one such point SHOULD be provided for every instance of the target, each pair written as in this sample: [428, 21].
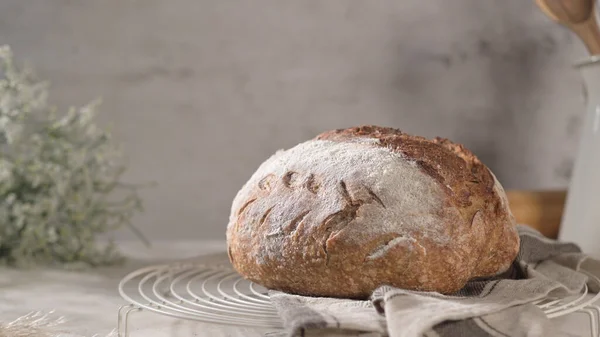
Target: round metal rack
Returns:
[214, 293]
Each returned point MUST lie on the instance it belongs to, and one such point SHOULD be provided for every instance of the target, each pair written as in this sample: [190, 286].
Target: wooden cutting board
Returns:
[541, 210]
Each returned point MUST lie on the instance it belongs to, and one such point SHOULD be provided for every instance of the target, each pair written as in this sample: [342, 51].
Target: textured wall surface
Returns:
[200, 92]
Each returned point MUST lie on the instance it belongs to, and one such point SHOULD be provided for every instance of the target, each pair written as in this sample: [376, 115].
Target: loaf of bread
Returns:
[357, 208]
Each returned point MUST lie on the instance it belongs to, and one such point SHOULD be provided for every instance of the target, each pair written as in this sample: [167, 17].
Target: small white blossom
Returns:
[5, 171]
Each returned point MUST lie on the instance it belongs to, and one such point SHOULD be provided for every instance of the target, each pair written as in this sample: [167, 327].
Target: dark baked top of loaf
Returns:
[464, 179]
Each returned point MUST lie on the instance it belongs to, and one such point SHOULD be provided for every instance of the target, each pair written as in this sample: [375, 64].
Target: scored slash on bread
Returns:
[353, 209]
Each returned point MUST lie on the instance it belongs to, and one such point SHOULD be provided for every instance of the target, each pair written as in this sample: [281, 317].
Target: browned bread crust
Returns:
[370, 206]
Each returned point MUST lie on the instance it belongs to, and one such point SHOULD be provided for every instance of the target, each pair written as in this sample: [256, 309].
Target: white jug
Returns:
[581, 219]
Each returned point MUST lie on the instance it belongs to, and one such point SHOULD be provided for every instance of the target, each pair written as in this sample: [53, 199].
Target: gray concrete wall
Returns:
[200, 92]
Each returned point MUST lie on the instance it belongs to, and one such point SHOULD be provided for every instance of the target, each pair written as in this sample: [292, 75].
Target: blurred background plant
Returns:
[60, 179]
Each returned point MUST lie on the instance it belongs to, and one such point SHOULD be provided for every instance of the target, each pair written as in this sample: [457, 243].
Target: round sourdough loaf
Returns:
[357, 208]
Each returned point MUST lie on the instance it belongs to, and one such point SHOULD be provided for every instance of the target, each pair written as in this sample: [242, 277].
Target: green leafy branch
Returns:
[60, 178]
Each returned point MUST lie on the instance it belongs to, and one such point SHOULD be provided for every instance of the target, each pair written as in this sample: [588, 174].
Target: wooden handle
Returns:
[588, 32]
[569, 11]
[541, 210]
[577, 15]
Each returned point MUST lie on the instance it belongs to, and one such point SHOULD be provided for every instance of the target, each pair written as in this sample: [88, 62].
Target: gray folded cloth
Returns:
[499, 306]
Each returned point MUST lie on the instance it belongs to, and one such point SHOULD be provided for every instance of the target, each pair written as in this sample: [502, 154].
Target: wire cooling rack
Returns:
[215, 293]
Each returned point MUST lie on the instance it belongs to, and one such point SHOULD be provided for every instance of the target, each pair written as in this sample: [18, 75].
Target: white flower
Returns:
[5, 170]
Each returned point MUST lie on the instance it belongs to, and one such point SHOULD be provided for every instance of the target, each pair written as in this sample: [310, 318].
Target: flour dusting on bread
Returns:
[367, 172]
[382, 250]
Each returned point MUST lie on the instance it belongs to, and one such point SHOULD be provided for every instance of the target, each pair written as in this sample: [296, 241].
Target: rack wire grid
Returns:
[215, 293]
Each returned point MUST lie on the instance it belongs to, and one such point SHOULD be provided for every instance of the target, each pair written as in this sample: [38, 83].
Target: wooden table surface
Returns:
[89, 300]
